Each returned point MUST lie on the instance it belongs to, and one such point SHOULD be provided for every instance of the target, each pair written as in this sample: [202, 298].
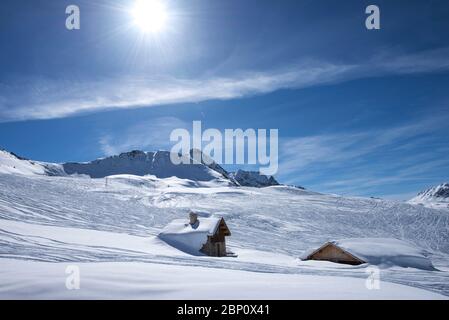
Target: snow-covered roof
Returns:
[189, 238]
[182, 226]
[385, 251]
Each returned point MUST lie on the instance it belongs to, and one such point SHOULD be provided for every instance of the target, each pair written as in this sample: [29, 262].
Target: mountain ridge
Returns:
[436, 197]
[139, 163]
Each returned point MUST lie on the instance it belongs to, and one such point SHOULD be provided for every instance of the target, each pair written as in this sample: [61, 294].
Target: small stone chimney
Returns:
[193, 218]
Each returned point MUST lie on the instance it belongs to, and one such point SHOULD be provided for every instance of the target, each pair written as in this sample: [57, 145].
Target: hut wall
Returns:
[214, 248]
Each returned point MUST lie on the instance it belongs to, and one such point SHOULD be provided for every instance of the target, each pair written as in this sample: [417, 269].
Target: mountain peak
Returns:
[253, 179]
[436, 197]
[440, 191]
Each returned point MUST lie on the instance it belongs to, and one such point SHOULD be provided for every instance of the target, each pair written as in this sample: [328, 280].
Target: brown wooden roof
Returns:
[335, 246]
[223, 227]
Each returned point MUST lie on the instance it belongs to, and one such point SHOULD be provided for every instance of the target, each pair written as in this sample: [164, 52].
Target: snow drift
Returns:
[189, 238]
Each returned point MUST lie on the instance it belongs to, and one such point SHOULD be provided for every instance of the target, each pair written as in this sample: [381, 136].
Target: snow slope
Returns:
[109, 226]
[11, 163]
[435, 197]
[150, 281]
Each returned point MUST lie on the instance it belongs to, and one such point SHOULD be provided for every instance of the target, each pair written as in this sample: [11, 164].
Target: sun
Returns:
[150, 15]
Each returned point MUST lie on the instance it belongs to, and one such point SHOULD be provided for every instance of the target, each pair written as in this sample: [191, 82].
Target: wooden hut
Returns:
[198, 235]
[330, 251]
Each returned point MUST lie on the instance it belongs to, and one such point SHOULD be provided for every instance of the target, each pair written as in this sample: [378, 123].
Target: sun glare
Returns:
[150, 15]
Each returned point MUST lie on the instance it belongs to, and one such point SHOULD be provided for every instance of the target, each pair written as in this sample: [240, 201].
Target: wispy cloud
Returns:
[360, 162]
[46, 99]
[427, 61]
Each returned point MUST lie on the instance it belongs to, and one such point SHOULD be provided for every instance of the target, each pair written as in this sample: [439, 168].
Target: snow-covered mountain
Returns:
[109, 229]
[435, 197]
[141, 163]
[253, 179]
[12, 163]
[137, 163]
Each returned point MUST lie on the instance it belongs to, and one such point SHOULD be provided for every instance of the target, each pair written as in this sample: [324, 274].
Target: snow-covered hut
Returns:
[205, 235]
[376, 251]
[331, 251]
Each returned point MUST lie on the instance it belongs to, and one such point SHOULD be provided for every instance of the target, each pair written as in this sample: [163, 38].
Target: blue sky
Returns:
[359, 112]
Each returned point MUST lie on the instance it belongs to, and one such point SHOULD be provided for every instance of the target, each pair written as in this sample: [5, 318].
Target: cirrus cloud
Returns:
[32, 98]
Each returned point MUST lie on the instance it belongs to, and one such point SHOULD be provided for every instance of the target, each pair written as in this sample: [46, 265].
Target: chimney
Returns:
[193, 217]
